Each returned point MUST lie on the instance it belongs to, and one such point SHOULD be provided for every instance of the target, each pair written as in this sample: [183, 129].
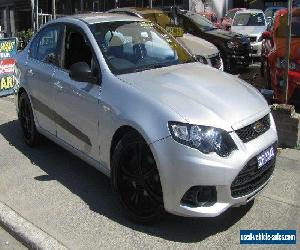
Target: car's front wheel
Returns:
[136, 181]
[31, 135]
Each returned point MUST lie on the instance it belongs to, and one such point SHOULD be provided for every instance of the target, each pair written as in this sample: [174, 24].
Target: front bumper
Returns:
[181, 168]
[239, 56]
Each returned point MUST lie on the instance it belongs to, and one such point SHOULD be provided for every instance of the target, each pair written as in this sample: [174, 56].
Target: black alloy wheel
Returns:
[31, 136]
[136, 181]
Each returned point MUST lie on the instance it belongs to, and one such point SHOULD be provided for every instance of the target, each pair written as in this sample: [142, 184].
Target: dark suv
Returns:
[234, 48]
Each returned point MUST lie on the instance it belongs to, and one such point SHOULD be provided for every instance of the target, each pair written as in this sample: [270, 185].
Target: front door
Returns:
[77, 103]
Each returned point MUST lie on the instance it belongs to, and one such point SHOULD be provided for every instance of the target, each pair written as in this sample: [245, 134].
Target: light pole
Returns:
[288, 49]
[53, 10]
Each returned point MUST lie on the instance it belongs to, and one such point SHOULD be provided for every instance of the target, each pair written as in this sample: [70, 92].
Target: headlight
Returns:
[201, 59]
[205, 139]
[232, 45]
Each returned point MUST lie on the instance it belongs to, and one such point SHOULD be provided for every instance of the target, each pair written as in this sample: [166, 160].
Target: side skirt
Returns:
[75, 152]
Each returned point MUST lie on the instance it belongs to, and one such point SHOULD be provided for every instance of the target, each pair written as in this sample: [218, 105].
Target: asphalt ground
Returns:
[73, 202]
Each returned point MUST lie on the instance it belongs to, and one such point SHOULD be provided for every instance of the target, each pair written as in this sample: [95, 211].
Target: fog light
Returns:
[200, 196]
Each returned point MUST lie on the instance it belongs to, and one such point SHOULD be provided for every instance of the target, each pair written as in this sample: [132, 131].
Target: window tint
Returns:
[136, 46]
[45, 47]
[76, 49]
[190, 20]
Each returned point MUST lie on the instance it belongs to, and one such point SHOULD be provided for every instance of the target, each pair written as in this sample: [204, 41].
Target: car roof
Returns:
[250, 11]
[98, 17]
[137, 10]
[236, 9]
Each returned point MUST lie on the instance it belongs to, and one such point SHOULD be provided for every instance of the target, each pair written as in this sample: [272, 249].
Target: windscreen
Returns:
[203, 23]
[249, 19]
[131, 46]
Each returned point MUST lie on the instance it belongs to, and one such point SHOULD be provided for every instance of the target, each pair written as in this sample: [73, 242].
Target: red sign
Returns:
[7, 66]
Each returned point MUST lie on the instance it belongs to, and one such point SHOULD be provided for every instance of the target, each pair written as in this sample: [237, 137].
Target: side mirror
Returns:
[81, 72]
[266, 35]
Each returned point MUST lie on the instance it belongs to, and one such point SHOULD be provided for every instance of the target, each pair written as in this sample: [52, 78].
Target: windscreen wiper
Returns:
[151, 66]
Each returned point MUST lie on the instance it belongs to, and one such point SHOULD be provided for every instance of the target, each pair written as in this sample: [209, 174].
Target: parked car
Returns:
[270, 13]
[234, 48]
[228, 18]
[251, 23]
[204, 51]
[122, 94]
[212, 17]
[274, 54]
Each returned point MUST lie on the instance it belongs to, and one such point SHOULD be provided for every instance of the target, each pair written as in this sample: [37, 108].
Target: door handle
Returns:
[58, 86]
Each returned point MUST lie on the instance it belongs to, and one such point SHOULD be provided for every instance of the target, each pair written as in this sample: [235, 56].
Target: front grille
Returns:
[254, 130]
[252, 39]
[251, 177]
[216, 61]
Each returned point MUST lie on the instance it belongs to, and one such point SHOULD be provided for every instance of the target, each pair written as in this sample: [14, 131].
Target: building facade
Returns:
[18, 15]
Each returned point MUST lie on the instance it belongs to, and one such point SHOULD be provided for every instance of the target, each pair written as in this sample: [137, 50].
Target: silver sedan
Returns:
[174, 135]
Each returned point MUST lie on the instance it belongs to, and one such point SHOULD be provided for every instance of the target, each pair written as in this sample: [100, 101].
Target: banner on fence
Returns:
[8, 49]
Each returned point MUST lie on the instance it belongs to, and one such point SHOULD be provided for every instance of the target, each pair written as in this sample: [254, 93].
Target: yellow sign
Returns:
[7, 46]
[7, 82]
[175, 31]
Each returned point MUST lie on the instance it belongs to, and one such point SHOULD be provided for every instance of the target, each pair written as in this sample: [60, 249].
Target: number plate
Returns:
[265, 157]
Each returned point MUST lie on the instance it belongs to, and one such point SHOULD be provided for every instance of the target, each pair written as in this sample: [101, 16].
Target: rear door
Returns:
[43, 58]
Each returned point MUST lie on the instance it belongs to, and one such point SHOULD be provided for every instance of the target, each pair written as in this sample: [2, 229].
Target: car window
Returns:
[269, 13]
[201, 22]
[231, 14]
[161, 19]
[45, 47]
[249, 19]
[136, 46]
[76, 49]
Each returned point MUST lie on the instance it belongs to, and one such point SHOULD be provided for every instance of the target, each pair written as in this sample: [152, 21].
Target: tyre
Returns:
[136, 181]
[30, 134]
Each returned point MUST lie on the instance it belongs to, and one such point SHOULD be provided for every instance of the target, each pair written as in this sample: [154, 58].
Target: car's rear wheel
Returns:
[136, 181]
[30, 134]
